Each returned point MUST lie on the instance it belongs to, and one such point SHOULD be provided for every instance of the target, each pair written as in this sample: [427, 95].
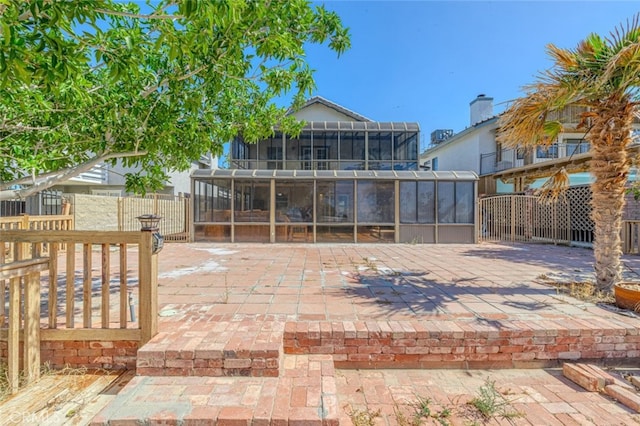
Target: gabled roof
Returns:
[456, 137]
[327, 103]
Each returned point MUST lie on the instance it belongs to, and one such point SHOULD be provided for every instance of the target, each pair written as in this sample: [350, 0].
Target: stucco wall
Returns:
[317, 112]
[94, 212]
[463, 150]
[100, 213]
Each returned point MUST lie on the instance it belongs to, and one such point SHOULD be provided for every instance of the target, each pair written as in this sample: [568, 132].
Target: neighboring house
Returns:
[105, 179]
[345, 178]
[476, 149]
[461, 151]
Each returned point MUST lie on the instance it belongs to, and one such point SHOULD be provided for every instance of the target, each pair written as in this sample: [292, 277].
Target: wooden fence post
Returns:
[120, 214]
[148, 303]
[32, 326]
[13, 340]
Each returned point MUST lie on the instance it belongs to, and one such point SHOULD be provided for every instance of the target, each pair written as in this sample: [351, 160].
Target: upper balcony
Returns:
[505, 159]
[333, 146]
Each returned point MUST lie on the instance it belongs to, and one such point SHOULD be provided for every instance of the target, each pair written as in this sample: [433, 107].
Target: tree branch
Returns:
[48, 180]
[137, 15]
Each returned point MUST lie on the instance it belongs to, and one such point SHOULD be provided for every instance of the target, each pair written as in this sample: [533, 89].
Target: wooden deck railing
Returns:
[81, 305]
[43, 223]
[29, 272]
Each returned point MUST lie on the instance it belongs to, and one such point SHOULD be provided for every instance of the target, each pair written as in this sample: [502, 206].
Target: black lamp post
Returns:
[150, 223]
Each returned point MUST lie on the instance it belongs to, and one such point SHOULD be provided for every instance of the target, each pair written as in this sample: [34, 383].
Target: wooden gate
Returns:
[175, 225]
[524, 218]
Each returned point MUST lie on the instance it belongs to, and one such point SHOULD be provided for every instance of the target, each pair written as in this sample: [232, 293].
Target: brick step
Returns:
[305, 394]
[229, 348]
[463, 344]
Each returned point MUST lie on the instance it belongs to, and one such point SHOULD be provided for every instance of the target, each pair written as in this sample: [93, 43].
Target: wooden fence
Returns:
[80, 305]
[42, 223]
[631, 237]
[175, 225]
[24, 222]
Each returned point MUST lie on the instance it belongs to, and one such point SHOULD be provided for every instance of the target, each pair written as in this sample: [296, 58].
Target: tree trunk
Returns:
[609, 137]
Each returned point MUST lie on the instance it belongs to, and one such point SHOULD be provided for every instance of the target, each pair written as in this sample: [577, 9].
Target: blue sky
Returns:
[424, 61]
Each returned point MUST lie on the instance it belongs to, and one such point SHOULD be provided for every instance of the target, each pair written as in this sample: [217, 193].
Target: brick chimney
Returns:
[481, 109]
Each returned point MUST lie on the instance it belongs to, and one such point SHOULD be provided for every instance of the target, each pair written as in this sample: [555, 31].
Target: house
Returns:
[476, 149]
[461, 151]
[334, 138]
[109, 180]
[344, 178]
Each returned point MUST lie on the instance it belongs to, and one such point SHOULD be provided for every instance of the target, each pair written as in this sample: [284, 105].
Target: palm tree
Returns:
[603, 76]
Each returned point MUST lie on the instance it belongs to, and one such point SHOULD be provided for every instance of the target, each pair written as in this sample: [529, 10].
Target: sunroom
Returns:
[346, 206]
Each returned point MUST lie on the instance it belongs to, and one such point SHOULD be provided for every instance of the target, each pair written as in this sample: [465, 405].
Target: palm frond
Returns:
[564, 58]
[625, 34]
[585, 49]
[624, 67]
[555, 187]
[524, 122]
[552, 129]
[598, 45]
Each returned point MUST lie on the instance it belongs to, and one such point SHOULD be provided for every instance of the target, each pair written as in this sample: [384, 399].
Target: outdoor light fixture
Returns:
[150, 223]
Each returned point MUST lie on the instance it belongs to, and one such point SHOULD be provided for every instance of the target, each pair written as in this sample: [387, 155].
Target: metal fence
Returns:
[524, 218]
[9, 208]
[508, 158]
[48, 202]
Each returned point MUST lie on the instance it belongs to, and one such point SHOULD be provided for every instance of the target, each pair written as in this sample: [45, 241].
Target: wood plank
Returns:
[93, 406]
[106, 276]
[124, 292]
[71, 284]
[3, 286]
[24, 251]
[13, 337]
[66, 397]
[16, 252]
[53, 285]
[86, 286]
[87, 402]
[21, 268]
[3, 301]
[32, 327]
[80, 237]
[148, 292]
[82, 334]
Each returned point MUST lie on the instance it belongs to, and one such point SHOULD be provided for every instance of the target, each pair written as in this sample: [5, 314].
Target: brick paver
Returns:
[305, 392]
[533, 396]
[229, 311]
[352, 282]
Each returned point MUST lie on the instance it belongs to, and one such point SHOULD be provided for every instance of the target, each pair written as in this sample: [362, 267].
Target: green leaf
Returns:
[175, 88]
[552, 129]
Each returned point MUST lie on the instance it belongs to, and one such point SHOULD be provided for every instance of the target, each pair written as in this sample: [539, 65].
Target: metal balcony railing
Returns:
[505, 159]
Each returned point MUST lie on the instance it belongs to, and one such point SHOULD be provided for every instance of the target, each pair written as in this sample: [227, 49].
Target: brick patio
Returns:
[242, 321]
